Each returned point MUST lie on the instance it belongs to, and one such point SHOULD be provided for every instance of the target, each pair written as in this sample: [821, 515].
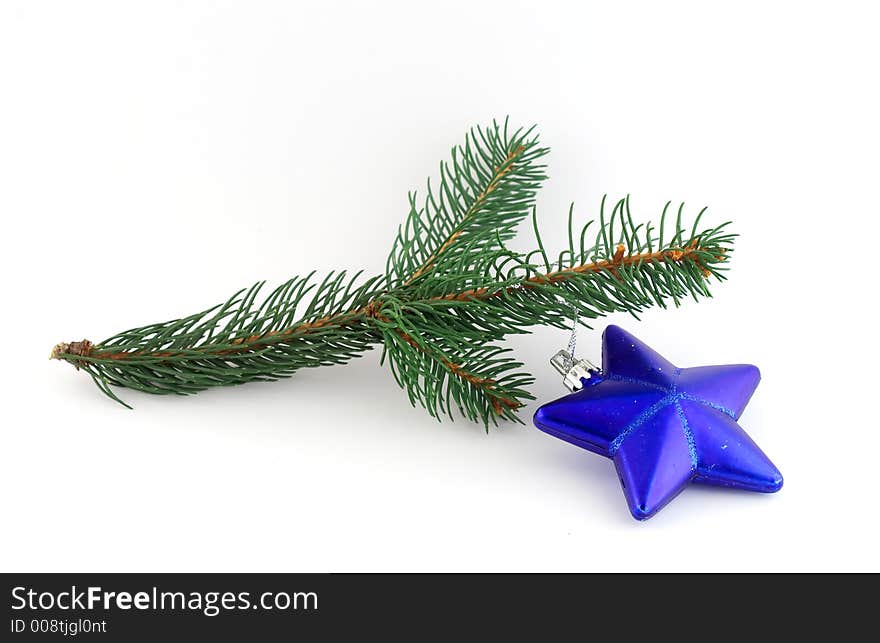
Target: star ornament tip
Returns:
[663, 427]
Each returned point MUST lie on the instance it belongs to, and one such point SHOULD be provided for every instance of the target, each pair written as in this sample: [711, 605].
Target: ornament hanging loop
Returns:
[573, 372]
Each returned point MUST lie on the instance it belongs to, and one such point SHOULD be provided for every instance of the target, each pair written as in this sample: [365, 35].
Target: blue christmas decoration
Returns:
[664, 427]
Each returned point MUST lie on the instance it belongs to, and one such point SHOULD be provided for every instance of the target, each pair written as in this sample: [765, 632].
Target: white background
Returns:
[156, 156]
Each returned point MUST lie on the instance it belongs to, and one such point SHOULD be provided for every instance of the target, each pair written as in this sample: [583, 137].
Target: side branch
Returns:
[498, 400]
[611, 265]
[479, 200]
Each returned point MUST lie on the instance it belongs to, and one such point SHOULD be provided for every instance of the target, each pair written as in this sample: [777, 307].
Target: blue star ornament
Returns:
[664, 427]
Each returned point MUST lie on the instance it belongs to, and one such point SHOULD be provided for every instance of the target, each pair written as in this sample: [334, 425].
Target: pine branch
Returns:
[451, 291]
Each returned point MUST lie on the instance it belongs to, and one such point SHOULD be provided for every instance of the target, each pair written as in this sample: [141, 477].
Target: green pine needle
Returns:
[451, 291]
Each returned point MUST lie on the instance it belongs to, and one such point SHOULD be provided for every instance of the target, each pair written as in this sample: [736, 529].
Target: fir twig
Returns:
[451, 290]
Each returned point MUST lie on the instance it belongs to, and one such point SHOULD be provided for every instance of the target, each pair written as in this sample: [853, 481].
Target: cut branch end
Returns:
[64, 349]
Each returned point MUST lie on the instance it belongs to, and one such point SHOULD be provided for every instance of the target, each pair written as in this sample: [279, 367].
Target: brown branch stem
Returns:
[358, 316]
[618, 260]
